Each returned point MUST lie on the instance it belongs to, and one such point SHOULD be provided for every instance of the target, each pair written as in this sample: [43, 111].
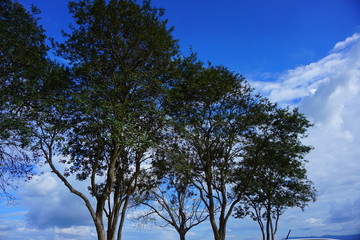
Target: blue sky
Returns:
[301, 53]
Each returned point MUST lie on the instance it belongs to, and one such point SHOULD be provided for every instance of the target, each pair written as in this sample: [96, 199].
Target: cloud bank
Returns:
[328, 93]
[50, 204]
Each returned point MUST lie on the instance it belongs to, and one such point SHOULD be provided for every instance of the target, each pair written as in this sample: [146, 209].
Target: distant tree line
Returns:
[145, 126]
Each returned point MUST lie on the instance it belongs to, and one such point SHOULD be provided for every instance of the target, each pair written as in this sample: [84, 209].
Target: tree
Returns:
[211, 108]
[175, 203]
[23, 65]
[275, 153]
[171, 197]
[105, 121]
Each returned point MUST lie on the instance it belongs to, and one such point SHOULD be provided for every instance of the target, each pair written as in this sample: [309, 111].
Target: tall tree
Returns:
[211, 108]
[23, 66]
[276, 154]
[103, 125]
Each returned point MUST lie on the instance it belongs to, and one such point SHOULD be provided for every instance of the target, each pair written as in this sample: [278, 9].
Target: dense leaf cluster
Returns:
[22, 59]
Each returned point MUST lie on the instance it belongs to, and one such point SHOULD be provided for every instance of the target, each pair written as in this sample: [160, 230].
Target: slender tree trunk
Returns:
[111, 228]
[259, 220]
[182, 235]
[122, 218]
[212, 216]
[261, 224]
[113, 217]
[272, 230]
[211, 205]
[263, 233]
[222, 221]
[276, 223]
[222, 230]
[111, 233]
[268, 227]
[214, 226]
[100, 231]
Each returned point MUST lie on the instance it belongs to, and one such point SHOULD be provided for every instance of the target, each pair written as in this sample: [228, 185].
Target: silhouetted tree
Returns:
[211, 108]
[275, 155]
[109, 117]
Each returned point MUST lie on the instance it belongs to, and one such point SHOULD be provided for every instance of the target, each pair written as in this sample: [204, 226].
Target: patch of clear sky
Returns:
[254, 37]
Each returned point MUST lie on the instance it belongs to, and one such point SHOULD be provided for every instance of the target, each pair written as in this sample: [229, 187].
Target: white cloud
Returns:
[348, 42]
[50, 204]
[324, 75]
[315, 222]
[77, 231]
[329, 93]
[41, 186]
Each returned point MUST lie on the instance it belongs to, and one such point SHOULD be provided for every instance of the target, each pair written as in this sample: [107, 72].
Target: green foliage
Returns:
[22, 53]
[210, 110]
[125, 100]
[22, 64]
[274, 154]
[120, 56]
[23, 48]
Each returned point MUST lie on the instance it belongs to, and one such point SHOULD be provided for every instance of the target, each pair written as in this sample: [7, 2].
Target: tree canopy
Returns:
[275, 154]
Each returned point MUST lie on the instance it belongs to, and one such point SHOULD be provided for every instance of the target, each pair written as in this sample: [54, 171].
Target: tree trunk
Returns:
[272, 230]
[122, 218]
[213, 225]
[182, 235]
[276, 223]
[268, 227]
[222, 230]
[263, 234]
[261, 224]
[111, 233]
[112, 223]
[100, 231]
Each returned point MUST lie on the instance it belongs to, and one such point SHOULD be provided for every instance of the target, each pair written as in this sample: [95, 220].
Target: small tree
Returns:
[175, 203]
[172, 198]
[275, 154]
